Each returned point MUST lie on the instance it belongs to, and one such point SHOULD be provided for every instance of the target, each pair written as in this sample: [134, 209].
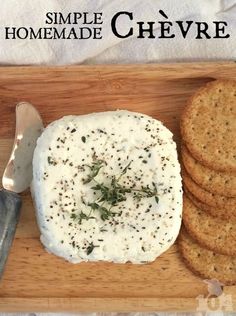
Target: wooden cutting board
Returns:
[37, 281]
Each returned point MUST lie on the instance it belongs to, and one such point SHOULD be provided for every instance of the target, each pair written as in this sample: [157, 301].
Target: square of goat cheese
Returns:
[107, 186]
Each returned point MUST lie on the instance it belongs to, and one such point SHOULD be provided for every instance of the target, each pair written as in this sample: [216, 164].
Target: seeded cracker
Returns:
[217, 182]
[206, 263]
[206, 197]
[208, 125]
[214, 211]
[211, 232]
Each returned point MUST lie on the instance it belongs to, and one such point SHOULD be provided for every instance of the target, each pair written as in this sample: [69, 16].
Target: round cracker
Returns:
[217, 182]
[211, 232]
[216, 212]
[215, 200]
[208, 125]
[207, 263]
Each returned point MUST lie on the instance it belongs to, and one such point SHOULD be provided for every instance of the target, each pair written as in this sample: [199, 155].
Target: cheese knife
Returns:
[18, 174]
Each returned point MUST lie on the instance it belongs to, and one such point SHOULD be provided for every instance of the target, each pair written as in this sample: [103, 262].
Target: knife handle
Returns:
[10, 204]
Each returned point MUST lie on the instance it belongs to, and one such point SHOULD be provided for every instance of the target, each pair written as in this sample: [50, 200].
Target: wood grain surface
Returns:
[37, 281]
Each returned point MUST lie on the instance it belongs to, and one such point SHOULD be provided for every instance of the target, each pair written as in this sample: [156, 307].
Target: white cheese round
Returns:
[138, 229]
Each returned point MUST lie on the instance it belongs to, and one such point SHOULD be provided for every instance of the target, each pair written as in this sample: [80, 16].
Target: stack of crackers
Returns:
[208, 127]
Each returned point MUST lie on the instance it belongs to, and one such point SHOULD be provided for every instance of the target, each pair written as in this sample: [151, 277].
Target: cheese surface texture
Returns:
[107, 186]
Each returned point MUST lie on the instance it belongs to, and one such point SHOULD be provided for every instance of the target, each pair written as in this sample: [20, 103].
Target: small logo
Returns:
[216, 300]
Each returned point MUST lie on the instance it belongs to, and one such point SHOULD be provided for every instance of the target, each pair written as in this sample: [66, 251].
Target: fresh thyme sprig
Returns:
[81, 216]
[146, 192]
[114, 193]
[104, 212]
[94, 170]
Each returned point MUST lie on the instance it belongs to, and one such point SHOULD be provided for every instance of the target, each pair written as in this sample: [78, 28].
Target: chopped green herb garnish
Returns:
[81, 216]
[114, 193]
[94, 170]
[51, 161]
[104, 212]
[90, 248]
